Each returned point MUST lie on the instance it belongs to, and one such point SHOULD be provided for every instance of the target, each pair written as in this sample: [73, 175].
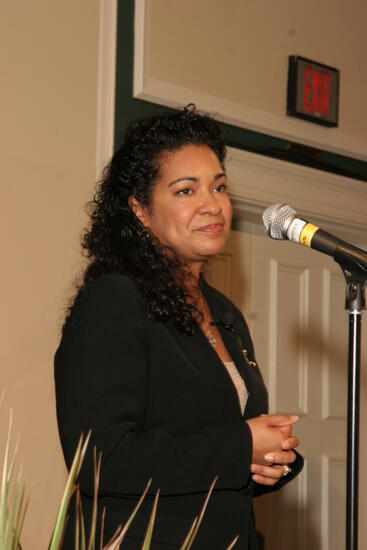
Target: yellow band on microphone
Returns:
[307, 233]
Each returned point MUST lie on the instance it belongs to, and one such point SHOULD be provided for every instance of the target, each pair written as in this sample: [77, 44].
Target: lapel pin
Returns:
[251, 363]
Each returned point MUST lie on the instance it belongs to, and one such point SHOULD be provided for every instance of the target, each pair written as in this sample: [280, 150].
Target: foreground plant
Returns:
[117, 540]
[13, 506]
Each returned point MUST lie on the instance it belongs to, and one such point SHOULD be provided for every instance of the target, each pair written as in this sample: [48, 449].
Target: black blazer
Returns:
[161, 405]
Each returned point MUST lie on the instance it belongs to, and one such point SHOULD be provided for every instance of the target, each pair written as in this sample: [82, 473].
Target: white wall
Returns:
[48, 101]
[231, 57]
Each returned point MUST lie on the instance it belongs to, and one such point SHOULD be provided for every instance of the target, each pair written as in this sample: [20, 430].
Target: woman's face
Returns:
[190, 209]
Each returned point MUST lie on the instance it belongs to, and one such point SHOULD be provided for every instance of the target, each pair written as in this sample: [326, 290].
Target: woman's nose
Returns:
[210, 204]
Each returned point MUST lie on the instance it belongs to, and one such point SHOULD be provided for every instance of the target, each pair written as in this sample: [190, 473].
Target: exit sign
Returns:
[313, 91]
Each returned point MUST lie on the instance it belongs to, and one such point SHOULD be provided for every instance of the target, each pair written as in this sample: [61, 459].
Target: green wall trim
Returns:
[128, 109]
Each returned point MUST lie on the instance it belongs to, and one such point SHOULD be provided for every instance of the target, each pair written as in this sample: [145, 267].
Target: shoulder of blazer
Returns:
[114, 294]
[224, 305]
[116, 283]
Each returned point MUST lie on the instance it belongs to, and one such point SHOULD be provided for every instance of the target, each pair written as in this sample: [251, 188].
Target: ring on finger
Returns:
[287, 470]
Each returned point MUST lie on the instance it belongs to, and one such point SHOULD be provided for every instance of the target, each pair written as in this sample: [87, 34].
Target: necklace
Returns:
[208, 332]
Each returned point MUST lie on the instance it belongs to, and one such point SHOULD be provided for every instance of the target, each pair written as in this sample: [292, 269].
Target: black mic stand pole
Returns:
[355, 274]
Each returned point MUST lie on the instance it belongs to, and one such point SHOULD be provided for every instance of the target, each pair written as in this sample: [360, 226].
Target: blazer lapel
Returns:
[232, 342]
[202, 355]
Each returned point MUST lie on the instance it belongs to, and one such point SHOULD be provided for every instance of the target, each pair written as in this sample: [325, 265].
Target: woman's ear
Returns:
[139, 210]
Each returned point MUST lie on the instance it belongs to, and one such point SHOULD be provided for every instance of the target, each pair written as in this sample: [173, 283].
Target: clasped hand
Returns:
[272, 444]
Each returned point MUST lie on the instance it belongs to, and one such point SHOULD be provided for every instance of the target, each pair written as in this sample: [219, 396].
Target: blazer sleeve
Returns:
[101, 377]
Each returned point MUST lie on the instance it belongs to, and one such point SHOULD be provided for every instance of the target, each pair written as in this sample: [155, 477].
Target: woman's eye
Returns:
[222, 188]
[185, 191]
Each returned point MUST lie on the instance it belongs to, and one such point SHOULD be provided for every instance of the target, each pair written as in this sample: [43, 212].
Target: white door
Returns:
[294, 299]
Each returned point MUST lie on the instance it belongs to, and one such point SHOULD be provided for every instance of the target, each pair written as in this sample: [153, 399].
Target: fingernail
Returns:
[285, 446]
[295, 416]
[269, 458]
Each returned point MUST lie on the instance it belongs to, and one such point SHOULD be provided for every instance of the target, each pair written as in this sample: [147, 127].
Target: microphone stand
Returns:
[355, 273]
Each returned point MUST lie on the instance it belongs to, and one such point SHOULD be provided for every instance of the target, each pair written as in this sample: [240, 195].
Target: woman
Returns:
[156, 362]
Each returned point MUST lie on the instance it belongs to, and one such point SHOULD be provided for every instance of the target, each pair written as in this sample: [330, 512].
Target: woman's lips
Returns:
[212, 228]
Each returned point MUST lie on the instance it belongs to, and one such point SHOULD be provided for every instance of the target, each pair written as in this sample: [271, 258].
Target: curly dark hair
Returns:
[116, 241]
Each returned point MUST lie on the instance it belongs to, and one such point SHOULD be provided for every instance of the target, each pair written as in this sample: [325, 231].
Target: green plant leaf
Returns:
[111, 543]
[233, 543]
[149, 532]
[97, 472]
[11, 507]
[5, 485]
[77, 535]
[82, 453]
[102, 528]
[114, 545]
[12, 463]
[11, 502]
[10, 521]
[83, 539]
[201, 515]
[18, 520]
[22, 510]
[189, 534]
[74, 470]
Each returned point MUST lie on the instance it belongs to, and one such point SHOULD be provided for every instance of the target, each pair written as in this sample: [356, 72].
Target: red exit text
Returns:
[316, 91]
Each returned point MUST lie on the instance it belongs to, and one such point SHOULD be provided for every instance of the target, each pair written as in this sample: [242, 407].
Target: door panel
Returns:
[294, 299]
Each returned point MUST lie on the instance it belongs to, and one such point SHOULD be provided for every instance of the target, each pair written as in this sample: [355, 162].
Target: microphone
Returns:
[226, 322]
[281, 222]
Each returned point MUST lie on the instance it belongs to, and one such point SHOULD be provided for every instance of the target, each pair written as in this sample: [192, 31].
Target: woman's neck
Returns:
[195, 270]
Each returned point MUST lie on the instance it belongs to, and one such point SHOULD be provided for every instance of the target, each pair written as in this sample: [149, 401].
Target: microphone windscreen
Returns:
[276, 219]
